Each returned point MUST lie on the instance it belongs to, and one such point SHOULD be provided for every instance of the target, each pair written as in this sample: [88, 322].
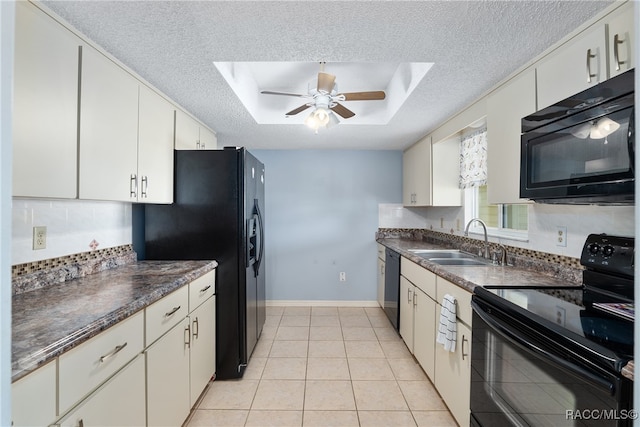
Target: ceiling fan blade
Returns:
[269, 92]
[364, 96]
[343, 111]
[326, 82]
[297, 110]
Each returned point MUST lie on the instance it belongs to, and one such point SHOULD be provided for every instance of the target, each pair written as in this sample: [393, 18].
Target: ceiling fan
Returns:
[325, 98]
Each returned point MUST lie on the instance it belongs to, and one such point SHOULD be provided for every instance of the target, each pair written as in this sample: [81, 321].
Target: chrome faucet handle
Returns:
[503, 258]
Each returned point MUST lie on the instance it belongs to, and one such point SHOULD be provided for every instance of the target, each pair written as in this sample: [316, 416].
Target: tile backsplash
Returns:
[73, 226]
[580, 221]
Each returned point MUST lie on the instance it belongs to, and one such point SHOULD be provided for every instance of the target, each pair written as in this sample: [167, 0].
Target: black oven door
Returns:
[522, 378]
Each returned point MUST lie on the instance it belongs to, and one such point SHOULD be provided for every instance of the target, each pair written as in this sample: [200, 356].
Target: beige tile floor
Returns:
[326, 366]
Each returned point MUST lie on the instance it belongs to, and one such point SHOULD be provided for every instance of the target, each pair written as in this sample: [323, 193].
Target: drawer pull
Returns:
[172, 311]
[205, 289]
[112, 353]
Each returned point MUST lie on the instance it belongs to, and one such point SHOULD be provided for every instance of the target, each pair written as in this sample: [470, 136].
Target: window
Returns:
[510, 221]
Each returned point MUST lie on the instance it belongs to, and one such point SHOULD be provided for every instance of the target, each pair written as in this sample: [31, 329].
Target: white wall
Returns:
[71, 226]
[321, 219]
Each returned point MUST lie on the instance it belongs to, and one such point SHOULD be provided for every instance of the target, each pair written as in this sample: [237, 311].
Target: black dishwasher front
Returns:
[392, 287]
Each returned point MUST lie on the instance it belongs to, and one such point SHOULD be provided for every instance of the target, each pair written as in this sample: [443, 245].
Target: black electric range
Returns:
[566, 346]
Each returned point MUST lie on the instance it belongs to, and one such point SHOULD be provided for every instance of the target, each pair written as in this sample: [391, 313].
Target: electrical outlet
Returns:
[561, 235]
[560, 315]
[343, 276]
[39, 237]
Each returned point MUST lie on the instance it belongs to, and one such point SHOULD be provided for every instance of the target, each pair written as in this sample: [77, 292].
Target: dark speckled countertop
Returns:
[49, 321]
[468, 277]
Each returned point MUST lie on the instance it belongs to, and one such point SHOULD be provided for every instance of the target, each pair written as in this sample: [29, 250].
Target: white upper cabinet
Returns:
[416, 174]
[155, 148]
[430, 174]
[621, 40]
[126, 136]
[45, 106]
[573, 67]
[108, 130]
[208, 139]
[190, 135]
[505, 109]
[445, 173]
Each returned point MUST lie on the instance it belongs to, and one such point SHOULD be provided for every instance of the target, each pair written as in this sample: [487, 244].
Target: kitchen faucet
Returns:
[486, 240]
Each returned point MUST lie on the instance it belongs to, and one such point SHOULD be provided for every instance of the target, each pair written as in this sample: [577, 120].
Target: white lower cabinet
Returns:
[118, 402]
[182, 361]
[418, 313]
[453, 375]
[405, 306]
[420, 294]
[39, 388]
[453, 369]
[203, 348]
[424, 332]
[168, 377]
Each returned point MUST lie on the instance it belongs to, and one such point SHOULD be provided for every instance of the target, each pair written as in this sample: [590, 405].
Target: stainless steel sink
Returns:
[440, 253]
[459, 261]
[449, 257]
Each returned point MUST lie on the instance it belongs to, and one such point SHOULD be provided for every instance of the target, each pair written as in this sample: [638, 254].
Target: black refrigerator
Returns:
[218, 213]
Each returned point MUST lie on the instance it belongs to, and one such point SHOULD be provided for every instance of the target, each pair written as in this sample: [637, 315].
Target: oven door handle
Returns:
[507, 332]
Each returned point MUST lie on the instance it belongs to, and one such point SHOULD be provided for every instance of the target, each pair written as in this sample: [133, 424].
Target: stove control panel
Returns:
[611, 254]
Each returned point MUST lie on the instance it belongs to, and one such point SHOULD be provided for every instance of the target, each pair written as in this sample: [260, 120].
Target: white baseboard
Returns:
[316, 303]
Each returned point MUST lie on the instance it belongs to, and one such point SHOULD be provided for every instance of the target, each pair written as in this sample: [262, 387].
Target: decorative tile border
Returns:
[559, 266]
[38, 274]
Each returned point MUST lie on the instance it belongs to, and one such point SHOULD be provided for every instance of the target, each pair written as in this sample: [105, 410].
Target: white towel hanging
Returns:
[447, 329]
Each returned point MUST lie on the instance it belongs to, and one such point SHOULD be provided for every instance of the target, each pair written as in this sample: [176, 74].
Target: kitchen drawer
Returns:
[164, 314]
[419, 276]
[85, 367]
[462, 296]
[201, 289]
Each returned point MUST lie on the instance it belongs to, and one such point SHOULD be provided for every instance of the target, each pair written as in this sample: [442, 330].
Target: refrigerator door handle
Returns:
[261, 236]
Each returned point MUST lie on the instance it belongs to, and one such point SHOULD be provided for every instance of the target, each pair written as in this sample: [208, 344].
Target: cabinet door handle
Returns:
[616, 57]
[408, 296]
[187, 336]
[205, 289]
[81, 423]
[196, 328]
[197, 144]
[589, 75]
[463, 352]
[415, 300]
[113, 352]
[172, 311]
[133, 185]
[145, 185]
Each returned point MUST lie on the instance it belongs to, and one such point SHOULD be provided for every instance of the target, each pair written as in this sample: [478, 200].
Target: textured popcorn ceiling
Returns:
[472, 44]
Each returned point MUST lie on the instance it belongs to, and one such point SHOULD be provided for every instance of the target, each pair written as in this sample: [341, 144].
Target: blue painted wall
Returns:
[321, 219]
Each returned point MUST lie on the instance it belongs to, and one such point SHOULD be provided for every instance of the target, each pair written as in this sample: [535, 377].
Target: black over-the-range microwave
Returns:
[581, 150]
